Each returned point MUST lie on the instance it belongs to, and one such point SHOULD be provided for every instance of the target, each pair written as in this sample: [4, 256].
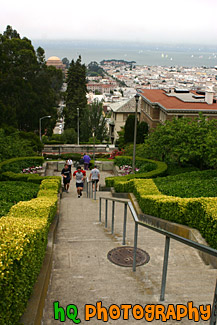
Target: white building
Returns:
[119, 114]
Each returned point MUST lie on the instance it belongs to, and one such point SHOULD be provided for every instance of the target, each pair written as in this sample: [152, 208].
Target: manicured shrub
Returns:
[23, 239]
[51, 183]
[16, 165]
[23, 243]
[13, 192]
[5, 207]
[161, 168]
[73, 156]
[36, 208]
[199, 213]
[192, 184]
[11, 176]
[175, 169]
[33, 178]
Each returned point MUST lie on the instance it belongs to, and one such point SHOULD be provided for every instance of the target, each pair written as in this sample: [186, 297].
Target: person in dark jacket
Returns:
[86, 160]
[66, 173]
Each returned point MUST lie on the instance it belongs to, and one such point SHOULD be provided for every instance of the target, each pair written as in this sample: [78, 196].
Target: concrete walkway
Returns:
[82, 274]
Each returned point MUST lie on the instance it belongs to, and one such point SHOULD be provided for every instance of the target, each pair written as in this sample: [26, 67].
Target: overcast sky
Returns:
[169, 21]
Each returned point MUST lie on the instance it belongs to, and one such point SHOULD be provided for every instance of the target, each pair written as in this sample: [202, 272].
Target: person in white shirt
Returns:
[69, 163]
[95, 176]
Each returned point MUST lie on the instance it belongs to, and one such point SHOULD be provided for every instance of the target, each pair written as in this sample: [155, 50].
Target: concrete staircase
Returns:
[82, 274]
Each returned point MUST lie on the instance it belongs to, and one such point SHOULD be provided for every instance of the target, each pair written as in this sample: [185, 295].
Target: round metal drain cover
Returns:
[123, 256]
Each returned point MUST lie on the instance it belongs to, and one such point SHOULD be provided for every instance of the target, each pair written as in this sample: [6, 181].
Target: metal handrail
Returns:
[89, 189]
[188, 242]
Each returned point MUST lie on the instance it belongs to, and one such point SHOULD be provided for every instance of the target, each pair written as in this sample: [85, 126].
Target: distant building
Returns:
[54, 61]
[119, 114]
[158, 105]
[102, 88]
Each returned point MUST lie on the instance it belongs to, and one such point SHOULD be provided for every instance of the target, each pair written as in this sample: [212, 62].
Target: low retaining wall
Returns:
[74, 148]
[105, 165]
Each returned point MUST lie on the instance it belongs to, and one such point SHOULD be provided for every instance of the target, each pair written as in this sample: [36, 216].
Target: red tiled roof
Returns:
[171, 102]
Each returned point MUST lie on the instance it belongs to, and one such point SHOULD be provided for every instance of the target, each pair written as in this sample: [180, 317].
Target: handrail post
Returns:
[87, 184]
[164, 274]
[95, 191]
[135, 246]
[125, 223]
[113, 216]
[106, 213]
[214, 308]
[100, 206]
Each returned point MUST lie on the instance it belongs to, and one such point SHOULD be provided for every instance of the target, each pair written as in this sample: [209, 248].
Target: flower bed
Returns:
[127, 169]
[17, 164]
[148, 169]
[31, 170]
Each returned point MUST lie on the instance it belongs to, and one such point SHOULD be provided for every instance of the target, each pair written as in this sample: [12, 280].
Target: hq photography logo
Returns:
[148, 312]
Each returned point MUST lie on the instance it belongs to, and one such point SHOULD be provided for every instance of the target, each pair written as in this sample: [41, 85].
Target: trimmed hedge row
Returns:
[23, 240]
[64, 156]
[13, 192]
[199, 213]
[190, 184]
[17, 164]
[160, 170]
[33, 178]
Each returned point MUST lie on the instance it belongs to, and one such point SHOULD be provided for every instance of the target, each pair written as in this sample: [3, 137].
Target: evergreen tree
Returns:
[66, 62]
[129, 129]
[75, 94]
[142, 131]
[28, 90]
[93, 121]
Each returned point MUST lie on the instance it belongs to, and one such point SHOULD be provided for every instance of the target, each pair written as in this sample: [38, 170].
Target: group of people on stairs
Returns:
[79, 175]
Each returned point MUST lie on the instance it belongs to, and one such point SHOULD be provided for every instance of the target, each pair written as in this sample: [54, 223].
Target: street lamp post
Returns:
[41, 118]
[135, 131]
[94, 129]
[78, 124]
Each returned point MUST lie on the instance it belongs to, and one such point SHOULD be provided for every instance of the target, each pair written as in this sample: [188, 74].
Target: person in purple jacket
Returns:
[87, 160]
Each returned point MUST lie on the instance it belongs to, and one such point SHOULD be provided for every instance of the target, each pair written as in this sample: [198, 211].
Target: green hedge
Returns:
[5, 207]
[64, 156]
[191, 184]
[17, 164]
[160, 170]
[33, 178]
[199, 213]
[23, 240]
[13, 192]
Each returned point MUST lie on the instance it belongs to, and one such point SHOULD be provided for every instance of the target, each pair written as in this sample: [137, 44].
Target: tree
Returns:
[120, 141]
[69, 136]
[75, 94]
[93, 69]
[185, 141]
[94, 121]
[129, 129]
[27, 88]
[66, 62]
[14, 145]
[142, 132]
